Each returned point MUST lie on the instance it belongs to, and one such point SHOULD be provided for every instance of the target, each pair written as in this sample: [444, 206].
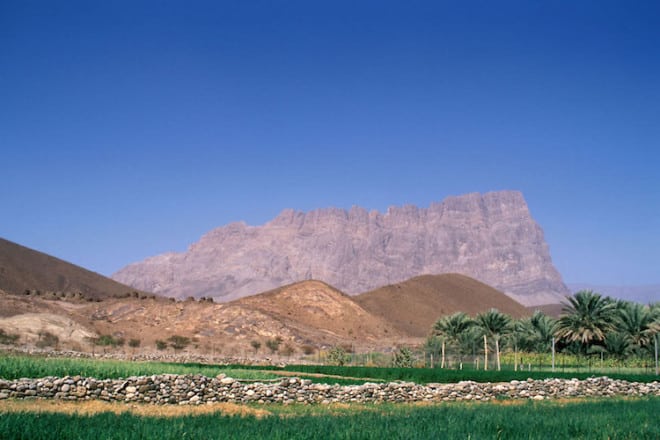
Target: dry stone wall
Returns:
[171, 389]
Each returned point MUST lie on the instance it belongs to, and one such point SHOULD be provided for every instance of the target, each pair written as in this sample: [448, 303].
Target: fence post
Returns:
[485, 353]
[553, 354]
[655, 338]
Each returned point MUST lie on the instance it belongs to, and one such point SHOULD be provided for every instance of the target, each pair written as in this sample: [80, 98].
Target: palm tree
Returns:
[586, 319]
[451, 327]
[618, 344]
[543, 331]
[494, 324]
[520, 336]
[637, 323]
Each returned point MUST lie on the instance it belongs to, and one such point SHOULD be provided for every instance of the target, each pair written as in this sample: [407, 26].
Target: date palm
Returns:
[451, 327]
[543, 330]
[586, 319]
[637, 323]
[495, 325]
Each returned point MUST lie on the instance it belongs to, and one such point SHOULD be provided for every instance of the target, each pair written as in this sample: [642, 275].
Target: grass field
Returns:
[18, 366]
[599, 419]
[429, 375]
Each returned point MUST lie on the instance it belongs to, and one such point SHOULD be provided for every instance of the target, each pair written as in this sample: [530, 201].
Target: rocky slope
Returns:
[491, 237]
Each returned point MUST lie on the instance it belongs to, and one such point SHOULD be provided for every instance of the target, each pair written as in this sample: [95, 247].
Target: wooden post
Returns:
[553, 354]
[497, 353]
[515, 356]
[655, 338]
[485, 353]
[442, 364]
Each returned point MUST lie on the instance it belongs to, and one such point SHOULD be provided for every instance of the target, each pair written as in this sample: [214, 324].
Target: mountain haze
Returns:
[491, 237]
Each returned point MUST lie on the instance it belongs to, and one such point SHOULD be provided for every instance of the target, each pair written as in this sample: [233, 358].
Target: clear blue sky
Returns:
[131, 128]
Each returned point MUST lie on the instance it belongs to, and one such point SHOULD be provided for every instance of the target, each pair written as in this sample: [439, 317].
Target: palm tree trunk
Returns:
[485, 353]
[553, 354]
[442, 364]
[655, 338]
[497, 353]
[515, 357]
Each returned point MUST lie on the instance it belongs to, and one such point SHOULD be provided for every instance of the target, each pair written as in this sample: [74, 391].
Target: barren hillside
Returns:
[413, 306]
[23, 269]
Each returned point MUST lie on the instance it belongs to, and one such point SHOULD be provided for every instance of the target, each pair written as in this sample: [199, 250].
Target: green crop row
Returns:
[18, 366]
[439, 375]
[612, 419]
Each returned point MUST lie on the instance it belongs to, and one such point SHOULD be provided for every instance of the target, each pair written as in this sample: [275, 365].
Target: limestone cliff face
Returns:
[491, 237]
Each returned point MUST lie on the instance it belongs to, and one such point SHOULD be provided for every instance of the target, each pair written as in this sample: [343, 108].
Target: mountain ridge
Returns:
[491, 237]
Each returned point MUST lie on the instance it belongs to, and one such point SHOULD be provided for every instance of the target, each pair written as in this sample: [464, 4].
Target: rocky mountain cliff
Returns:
[491, 237]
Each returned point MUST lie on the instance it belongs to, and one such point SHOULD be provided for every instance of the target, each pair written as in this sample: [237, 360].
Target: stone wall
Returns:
[197, 389]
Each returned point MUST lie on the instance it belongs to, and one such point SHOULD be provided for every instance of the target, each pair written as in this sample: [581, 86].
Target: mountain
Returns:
[491, 237]
[642, 294]
[24, 269]
[414, 305]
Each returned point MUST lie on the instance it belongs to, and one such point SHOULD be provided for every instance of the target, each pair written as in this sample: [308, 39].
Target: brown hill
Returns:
[318, 310]
[413, 306]
[23, 269]
[309, 313]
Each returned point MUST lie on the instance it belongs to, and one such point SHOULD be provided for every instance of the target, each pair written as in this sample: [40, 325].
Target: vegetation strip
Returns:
[608, 418]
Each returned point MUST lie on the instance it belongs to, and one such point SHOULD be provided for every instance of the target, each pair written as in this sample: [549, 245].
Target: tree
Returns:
[338, 356]
[161, 345]
[178, 342]
[586, 319]
[47, 339]
[256, 345]
[274, 344]
[451, 327]
[494, 324]
[287, 350]
[542, 331]
[618, 344]
[8, 338]
[637, 323]
[433, 349]
[403, 358]
[134, 343]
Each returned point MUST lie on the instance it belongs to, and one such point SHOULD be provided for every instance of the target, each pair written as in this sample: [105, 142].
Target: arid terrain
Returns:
[303, 317]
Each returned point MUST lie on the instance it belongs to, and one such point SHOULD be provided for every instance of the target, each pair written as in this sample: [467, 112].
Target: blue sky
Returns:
[128, 129]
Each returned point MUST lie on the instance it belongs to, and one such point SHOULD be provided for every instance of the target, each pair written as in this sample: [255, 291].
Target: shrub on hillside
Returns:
[8, 338]
[338, 356]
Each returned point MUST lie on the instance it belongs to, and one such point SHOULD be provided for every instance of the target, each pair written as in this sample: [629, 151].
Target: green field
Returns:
[18, 366]
[438, 375]
[601, 419]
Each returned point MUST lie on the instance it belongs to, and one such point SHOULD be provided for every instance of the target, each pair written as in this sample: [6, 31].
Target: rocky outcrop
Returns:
[490, 237]
[194, 390]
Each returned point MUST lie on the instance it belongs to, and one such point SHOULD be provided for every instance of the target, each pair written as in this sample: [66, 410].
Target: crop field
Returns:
[597, 419]
[18, 366]
[438, 375]
[614, 418]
